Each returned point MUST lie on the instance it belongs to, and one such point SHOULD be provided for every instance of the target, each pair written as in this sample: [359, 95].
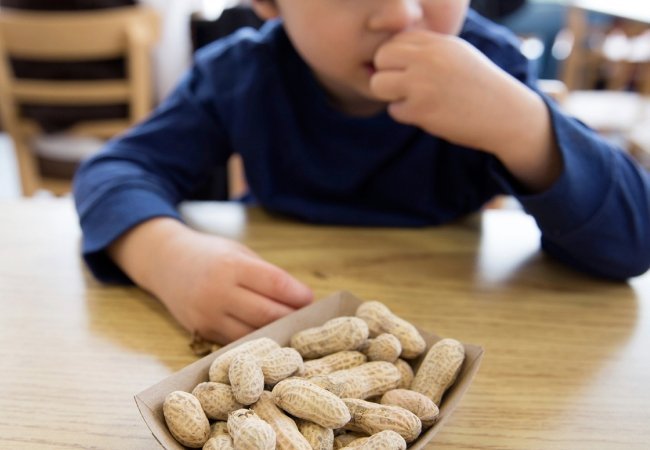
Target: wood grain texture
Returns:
[566, 363]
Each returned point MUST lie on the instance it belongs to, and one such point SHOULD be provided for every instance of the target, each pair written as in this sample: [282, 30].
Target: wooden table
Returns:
[566, 367]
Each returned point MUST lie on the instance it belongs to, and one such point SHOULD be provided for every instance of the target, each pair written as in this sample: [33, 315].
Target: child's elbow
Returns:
[617, 270]
[634, 258]
[639, 262]
[631, 261]
[632, 268]
[616, 262]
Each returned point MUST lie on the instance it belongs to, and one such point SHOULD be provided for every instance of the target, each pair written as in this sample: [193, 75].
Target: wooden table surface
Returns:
[567, 364]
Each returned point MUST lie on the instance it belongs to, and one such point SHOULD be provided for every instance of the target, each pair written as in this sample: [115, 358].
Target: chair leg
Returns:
[577, 28]
[640, 154]
[27, 168]
[645, 78]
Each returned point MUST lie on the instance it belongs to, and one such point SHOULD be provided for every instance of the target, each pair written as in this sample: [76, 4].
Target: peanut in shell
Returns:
[246, 378]
[331, 363]
[439, 369]
[335, 335]
[307, 401]
[287, 435]
[185, 419]
[217, 399]
[419, 404]
[371, 418]
[384, 440]
[218, 371]
[249, 432]
[380, 319]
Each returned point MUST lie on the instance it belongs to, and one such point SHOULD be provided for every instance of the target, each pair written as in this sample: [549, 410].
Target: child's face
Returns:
[339, 38]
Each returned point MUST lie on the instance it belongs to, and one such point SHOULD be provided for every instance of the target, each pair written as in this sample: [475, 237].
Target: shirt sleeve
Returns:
[149, 170]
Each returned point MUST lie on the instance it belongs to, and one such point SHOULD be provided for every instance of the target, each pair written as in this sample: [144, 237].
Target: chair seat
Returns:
[59, 155]
[63, 147]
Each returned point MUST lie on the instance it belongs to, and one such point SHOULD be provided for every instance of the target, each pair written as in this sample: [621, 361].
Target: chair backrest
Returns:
[127, 32]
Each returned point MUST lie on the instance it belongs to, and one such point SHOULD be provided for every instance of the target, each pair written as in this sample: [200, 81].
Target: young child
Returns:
[363, 112]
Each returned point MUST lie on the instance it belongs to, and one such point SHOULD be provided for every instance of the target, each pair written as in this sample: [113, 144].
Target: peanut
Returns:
[380, 319]
[308, 401]
[281, 364]
[372, 418]
[384, 440]
[185, 419]
[249, 432]
[287, 436]
[219, 438]
[439, 369]
[219, 428]
[406, 371]
[323, 381]
[385, 347]
[366, 380]
[217, 399]
[320, 438]
[223, 442]
[419, 404]
[246, 378]
[359, 442]
[257, 347]
[331, 363]
[345, 439]
[338, 334]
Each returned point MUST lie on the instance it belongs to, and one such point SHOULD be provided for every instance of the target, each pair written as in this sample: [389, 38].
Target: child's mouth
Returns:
[370, 67]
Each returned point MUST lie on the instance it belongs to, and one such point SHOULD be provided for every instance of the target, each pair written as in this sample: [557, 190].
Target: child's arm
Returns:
[590, 200]
[126, 197]
[445, 86]
[211, 285]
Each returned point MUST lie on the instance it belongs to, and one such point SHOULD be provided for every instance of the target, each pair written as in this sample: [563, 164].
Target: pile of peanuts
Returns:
[345, 384]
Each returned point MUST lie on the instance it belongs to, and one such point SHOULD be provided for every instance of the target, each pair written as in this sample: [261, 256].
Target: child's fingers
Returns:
[402, 112]
[256, 310]
[270, 281]
[228, 329]
[394, 56]
[388, 86]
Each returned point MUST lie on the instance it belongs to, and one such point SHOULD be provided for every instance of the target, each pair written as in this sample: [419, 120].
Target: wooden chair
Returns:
[128, 32]
[607, 74]
[639, 141]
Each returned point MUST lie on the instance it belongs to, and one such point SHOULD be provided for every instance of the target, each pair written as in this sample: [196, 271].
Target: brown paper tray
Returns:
[150, 401]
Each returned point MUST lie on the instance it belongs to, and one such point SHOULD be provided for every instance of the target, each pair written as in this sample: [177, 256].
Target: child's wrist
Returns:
[141, 250]
[527, 147]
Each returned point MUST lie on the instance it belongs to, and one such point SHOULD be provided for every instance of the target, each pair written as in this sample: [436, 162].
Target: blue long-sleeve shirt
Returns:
[252, 94]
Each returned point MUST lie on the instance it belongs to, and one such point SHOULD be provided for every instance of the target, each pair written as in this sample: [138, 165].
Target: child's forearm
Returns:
[525, 142]
[138, 250]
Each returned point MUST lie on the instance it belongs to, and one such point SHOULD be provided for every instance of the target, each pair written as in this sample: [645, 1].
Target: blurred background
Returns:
[74, 73]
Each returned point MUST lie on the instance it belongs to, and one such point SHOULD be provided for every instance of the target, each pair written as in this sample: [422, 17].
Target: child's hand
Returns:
[214, 286]
[445, 86]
